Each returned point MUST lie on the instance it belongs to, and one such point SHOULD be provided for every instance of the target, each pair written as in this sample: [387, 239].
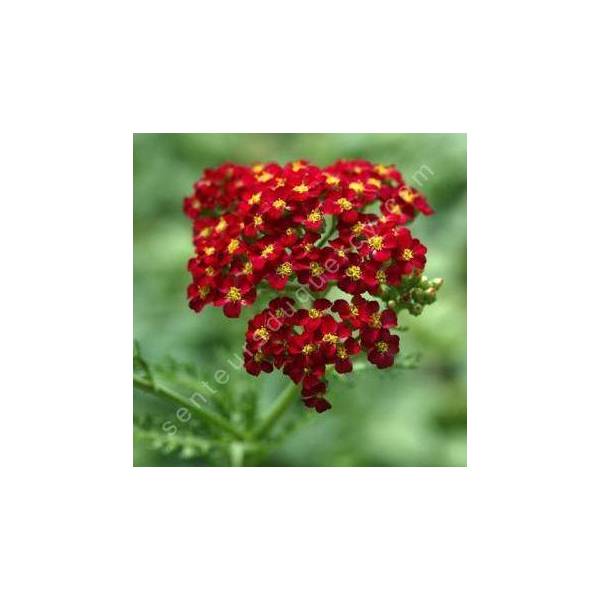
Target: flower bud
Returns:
[437, 283]
[415, 309]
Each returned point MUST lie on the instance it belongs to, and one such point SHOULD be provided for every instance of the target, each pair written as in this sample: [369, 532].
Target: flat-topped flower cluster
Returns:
[301, 227]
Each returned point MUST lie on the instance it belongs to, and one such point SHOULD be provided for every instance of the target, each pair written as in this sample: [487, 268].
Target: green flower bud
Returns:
[437, 283]
[415, 309]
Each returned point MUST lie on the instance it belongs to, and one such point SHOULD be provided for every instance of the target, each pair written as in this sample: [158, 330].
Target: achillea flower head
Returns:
[299, 226]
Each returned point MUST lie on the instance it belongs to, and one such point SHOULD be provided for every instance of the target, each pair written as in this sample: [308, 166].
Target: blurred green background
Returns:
[394, 417]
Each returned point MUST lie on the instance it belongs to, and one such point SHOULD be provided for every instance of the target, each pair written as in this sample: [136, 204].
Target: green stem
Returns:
[209, 416]
[287, 396]
[327, 234]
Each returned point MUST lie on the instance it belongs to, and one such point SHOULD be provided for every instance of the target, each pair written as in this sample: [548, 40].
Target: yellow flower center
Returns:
[354, 310]
[210, 271]
[381, 347]
[247, 269]
[407, 195]
[381, 170]
[313, 313]
[209, 251]
[308, 349]
[267, 251]
[221, 225]
[205, 232]
[341, 352]
[279, 313]
[315, 215]
[332, 180]
[329, 338]
[357, 229]
[381, 277]
[203, 291]
[233, 246]
[266, 176]
[258, 168]
[258, 220]
[297, 166]
[285, 269]
[374, 182]
[234, 294]
[396, 210]
[316, 270]
[407, 254]
[279, 182]
[255, 198]
[357, 186]
[279, 204]
[344, 204]
[376, 242]
[354, 272]
[262, 333]
[301, 189]
[375, 321]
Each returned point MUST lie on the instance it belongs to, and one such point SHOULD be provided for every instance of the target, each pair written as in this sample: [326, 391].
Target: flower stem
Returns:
[213, 418]
[287, 396]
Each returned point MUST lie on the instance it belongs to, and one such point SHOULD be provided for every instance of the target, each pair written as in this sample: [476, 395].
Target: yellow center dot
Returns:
[308, 349]
[285, 269]
[210, 271]
[341, 253]
[396, 210]
[315, 216]
[332, 180]
[354, 310]
[354, 272]
[209, 251]
[262, 333]
[196, 203]
[258, 220]
[381, 347]
[267, 251]
[203, 291]
[258, 168]
[407, 195]
[258, 356]
[407, 254]
[234, 294]
[313, 313]
[221, 225]
[357, 229]
[264, 177]
[316, 270]
[344, 204]
[279, 313]
[279, 204]
[381, 170]
[376, 242]
[279, 182]
[297, 166]
[301, 189]
[329, 338]
[205, 232]
[289, 231]
[247, 269]
[374, 182]
[375, 321]
[233, 246]
[357, 186]
[255, 198]
[341, 352]
[381, 277]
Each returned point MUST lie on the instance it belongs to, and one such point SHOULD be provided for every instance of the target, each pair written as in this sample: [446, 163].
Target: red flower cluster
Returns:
[273, 226]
